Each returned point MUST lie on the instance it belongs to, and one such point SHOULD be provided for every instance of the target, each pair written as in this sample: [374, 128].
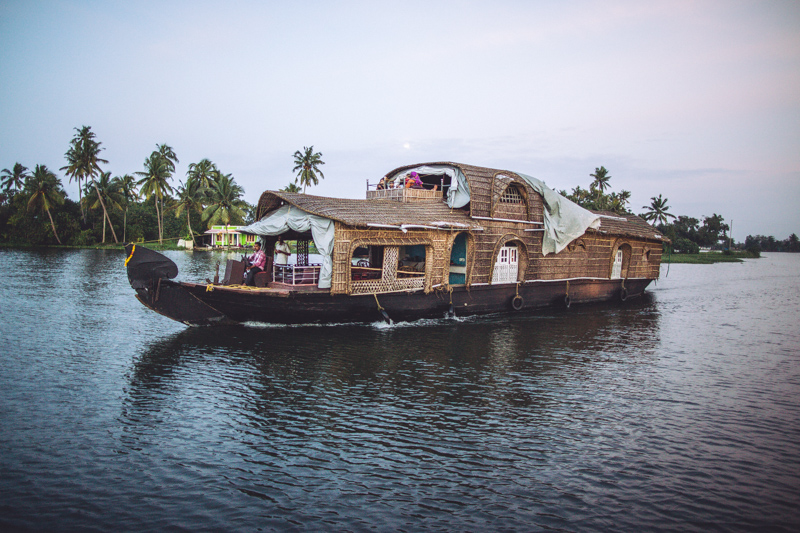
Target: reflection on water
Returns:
[675, 411]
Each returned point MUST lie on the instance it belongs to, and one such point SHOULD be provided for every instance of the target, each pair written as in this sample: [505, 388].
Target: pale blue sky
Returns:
[695, 100]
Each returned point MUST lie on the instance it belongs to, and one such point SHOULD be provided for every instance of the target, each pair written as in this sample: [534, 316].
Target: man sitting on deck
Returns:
[257, 262]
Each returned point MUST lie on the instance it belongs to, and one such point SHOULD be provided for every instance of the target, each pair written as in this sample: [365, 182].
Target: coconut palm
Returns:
[127, 190]
[155, 184]
[307, 167]
[203, 172]
[657, 210]
[190, 198]
[291, 188]
[103, 192]
[84, 160]
[14, 179]
[44, 191]
[601, 179]
[169, 156]
[225, 202]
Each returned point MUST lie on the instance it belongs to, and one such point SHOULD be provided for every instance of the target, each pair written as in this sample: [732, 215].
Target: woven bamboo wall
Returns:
[347, 239]
[488, 241]
[592, 256]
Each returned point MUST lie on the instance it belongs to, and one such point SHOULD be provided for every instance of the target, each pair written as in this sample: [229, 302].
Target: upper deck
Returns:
[406, 195]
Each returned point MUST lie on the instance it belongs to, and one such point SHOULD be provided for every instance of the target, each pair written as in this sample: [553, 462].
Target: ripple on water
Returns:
[678, 411]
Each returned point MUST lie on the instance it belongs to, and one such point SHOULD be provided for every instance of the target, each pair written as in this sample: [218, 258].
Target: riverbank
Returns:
[120, 246]
[708, 258]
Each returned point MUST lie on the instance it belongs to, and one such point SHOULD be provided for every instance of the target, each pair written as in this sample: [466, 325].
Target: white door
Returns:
[506, 266]
[616, 270]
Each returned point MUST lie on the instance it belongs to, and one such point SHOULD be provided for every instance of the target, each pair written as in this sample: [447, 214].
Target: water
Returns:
[676, 412]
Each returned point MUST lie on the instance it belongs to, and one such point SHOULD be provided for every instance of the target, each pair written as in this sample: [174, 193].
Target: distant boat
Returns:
[464, 240]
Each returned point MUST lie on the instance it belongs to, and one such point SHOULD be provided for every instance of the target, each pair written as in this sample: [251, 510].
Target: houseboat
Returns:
[459, 240]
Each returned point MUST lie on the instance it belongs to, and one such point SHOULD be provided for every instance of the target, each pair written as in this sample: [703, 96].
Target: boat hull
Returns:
[195, 304]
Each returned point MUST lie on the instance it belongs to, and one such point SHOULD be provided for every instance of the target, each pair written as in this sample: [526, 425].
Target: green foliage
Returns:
[158, 169]
[682, 245]
[225, 204]
[595, 197]
[657, 211]
[291, 188]
[601, 179]
[13, 180]
[761, 243]
[307, 165]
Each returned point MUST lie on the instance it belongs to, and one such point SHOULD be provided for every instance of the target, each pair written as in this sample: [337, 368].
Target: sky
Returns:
[698, 101]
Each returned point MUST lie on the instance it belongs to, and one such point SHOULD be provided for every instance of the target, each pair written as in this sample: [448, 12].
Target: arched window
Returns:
[511, 196]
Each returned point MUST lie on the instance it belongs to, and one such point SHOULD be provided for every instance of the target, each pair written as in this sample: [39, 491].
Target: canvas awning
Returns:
[288, 217]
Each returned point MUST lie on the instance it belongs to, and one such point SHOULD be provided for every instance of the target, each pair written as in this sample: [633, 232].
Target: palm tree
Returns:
[127, 190]
[601, 179]
[75, 171]
[203, 172]
[225, 202]
[14, 179]
[657, 210]
[105, 191]
[44, 190]
[290, 188]
[307, 167]
[169, 156]
[84, 163]
[155, 184]
[190, 198]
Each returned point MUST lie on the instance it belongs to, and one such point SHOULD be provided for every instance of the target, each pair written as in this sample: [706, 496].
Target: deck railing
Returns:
[405, 195]
[296, 274]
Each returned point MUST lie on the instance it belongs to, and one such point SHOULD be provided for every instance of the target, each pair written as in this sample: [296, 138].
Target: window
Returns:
[511, 196]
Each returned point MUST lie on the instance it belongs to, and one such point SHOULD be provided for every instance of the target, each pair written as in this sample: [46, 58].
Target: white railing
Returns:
[296, 274]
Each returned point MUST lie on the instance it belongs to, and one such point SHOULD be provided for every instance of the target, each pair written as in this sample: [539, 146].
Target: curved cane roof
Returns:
[485, 184]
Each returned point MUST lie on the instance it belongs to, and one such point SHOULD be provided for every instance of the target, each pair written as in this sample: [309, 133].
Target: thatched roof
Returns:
[485, 184]
[362, 213]
[627, 226]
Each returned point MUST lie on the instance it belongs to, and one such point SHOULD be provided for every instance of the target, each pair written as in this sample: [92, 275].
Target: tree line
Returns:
[688, 234]
[145, 205]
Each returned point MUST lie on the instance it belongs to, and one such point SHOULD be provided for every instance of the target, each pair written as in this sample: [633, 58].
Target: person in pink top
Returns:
[257, 262]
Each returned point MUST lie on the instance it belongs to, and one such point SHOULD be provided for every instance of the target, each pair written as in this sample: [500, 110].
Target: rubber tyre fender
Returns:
[623, 295]
[517, 302]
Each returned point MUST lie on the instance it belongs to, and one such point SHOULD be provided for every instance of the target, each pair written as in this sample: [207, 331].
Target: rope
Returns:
[133, 249]
[517, 296]
[567, 289]
[669, 261]
[375, 294]
[209, 287]
[450, 290]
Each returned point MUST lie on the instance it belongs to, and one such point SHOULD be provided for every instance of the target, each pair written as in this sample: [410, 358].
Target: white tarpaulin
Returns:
[564, 220]
[289, 217]
[457, 194]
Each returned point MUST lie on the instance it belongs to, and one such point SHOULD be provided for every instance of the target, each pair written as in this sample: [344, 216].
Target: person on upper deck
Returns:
[413, 181]
[257, 262]
[282, 252]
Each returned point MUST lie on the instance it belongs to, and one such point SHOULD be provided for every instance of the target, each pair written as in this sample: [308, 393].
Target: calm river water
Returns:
[676, 412]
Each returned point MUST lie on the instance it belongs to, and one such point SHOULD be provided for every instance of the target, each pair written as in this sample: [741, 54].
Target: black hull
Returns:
[194, 304]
